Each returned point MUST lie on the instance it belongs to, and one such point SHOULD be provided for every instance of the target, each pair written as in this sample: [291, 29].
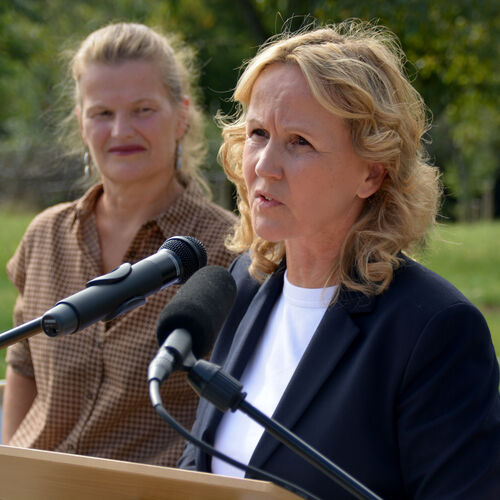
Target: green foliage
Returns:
[467, 255]
[13, 223]
[472, 169]
[452, 47]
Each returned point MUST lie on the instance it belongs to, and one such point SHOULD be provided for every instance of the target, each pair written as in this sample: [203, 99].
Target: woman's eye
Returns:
[258, 132]
[104, 113]
[301, 141]
[145, 110]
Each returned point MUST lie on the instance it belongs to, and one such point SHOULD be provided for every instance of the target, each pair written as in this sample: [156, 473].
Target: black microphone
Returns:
[127, 287]
[189, 323]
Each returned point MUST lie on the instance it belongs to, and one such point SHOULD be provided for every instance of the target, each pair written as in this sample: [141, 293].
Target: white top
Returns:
[291, 325]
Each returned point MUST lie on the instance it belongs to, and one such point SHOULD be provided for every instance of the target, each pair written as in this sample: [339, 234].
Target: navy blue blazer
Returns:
[399, 390]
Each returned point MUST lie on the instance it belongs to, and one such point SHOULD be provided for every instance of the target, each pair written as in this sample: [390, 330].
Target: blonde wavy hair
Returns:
[120, 42]
[355, 70]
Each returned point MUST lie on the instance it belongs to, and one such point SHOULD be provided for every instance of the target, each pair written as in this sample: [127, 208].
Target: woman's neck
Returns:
[310, 267]
[137, 203]
[120, 212]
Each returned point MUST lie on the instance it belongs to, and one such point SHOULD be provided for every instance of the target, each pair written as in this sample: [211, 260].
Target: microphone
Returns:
[189, 323]
[127, 287]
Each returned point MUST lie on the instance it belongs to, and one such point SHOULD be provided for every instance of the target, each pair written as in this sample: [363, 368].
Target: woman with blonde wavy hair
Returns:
[378, 363]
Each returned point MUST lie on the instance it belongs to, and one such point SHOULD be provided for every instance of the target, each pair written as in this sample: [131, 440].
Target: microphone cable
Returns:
[225, 392]
[156, 400]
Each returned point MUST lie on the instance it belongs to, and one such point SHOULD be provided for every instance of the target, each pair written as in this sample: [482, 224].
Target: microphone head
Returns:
[200, 306]
[191, 253]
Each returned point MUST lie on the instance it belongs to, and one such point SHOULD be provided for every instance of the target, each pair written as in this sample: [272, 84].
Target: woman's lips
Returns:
[125, 150]
[265, 200]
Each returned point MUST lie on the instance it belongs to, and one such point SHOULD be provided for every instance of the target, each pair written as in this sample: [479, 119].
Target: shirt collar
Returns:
[351, 300]
[85, 206]
[180, 212]
[191, 198]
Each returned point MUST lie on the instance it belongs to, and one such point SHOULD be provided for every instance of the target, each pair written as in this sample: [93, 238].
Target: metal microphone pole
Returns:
[20, 332]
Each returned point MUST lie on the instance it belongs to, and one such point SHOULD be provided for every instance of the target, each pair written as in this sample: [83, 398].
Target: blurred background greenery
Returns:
[453, 50]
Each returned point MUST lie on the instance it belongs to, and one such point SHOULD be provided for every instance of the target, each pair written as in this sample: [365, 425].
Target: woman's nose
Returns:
[269, 161]
[122, 126]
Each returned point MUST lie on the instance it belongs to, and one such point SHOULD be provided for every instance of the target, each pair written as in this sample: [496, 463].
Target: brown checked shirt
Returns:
[92, 386]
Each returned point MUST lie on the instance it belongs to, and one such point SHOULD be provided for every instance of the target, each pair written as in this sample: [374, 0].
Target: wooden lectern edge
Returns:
[135, 474]
[123, 466]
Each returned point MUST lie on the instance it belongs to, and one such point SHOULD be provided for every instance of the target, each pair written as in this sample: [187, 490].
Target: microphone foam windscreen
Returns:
[200, 307]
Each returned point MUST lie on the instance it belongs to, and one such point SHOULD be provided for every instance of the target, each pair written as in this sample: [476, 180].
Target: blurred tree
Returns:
[452, 48]
[453, 51]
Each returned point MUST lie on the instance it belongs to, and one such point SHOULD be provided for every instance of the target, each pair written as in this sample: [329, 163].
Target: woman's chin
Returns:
[270, 233]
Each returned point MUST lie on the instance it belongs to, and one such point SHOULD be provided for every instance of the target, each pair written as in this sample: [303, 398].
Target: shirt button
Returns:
[90, 395]
[70, 448]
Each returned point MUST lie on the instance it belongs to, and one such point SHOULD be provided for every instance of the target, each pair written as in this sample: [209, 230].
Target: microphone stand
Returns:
[224, 391]
[20, 332]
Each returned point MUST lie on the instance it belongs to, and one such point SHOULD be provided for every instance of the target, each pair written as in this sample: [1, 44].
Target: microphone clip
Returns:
[218, 387]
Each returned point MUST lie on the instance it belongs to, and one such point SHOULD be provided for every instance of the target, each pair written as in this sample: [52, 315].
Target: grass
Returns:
[467, 255]
[13, 223]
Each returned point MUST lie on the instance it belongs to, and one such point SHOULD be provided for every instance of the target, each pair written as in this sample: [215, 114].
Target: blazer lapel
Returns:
[245, 340]
[334, 335]
[252, 325]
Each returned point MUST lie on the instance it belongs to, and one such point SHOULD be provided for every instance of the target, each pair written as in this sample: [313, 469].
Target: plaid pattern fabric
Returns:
[92, 386]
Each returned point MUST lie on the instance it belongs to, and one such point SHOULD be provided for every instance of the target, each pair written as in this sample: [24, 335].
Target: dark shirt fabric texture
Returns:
[92, 385]
[400, 390]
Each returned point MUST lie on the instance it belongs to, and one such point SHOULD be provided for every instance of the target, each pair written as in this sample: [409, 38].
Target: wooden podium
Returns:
[45, 475]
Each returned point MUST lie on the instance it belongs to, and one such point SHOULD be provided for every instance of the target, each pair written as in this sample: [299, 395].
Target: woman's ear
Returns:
[78, 113]
[375, 175]
[182, 117]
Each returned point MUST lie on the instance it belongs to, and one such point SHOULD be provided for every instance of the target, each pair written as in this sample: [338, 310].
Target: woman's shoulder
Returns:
[218, 213]
[51, 219]
[200, 214]
[208, 209]
[413, 279]
[37, 242]
[419, 298]
[416, 298]
[194, 195]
